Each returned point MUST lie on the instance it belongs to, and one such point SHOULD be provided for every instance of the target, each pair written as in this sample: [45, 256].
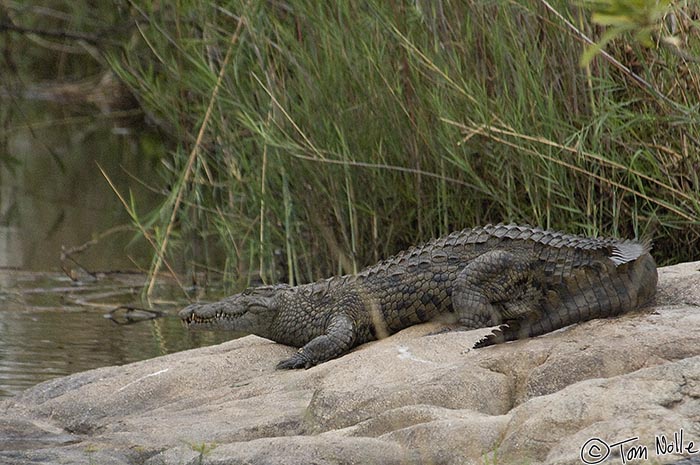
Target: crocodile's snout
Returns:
[186, 313]
[189, 315]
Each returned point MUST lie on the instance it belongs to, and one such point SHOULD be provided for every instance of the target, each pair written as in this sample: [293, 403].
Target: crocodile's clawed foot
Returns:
[299, 360]
[496, 337]
[511, 331]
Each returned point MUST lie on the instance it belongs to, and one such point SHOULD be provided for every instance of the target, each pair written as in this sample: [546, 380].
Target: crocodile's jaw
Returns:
[252, 311]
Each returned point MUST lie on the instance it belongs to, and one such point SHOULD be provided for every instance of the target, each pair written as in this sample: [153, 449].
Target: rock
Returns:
[412, 398]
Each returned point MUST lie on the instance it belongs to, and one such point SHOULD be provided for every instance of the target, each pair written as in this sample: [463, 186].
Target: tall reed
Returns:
[337, 133]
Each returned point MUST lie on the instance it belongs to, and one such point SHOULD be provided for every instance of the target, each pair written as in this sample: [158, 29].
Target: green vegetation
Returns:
[312, 138]
[638, 17]
[203, 449]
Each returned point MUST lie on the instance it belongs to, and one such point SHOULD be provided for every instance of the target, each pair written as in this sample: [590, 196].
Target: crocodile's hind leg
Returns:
[599, 290]
[495, 287]
[531, 325]
[339, 338]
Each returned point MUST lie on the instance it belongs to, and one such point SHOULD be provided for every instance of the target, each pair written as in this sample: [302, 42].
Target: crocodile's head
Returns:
[252, 311]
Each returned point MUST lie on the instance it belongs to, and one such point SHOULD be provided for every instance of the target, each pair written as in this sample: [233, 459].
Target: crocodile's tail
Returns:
[625, 282]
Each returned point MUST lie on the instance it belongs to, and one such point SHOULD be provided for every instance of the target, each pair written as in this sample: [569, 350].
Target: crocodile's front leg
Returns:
[495, 287]
[339, 338]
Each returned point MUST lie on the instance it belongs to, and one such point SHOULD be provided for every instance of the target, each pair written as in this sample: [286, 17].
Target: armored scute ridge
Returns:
[528, 280]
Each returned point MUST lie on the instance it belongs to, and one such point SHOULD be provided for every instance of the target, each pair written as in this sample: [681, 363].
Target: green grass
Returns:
[338, 133]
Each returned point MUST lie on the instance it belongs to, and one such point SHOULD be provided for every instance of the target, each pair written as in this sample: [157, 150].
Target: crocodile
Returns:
[523, 280]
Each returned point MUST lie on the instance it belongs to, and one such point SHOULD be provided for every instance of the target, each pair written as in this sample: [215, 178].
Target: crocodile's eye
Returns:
[248, 291]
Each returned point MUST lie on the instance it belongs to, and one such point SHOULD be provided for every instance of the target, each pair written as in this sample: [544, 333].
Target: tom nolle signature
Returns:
[596, 450]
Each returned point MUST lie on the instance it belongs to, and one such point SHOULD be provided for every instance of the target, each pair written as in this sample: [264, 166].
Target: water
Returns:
[53, 198]
[53, 326]
[53, 195]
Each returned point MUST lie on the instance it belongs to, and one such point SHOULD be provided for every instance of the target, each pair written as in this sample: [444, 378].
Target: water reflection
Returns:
[51, 326]
[10, 248]
[52, 196]
[10, 244]
[52, 193]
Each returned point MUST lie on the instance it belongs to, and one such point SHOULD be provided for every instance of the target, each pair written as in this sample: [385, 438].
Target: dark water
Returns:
[53, 197]
[53, 194]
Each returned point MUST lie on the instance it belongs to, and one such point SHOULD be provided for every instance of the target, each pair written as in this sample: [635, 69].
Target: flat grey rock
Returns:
[412, 398]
